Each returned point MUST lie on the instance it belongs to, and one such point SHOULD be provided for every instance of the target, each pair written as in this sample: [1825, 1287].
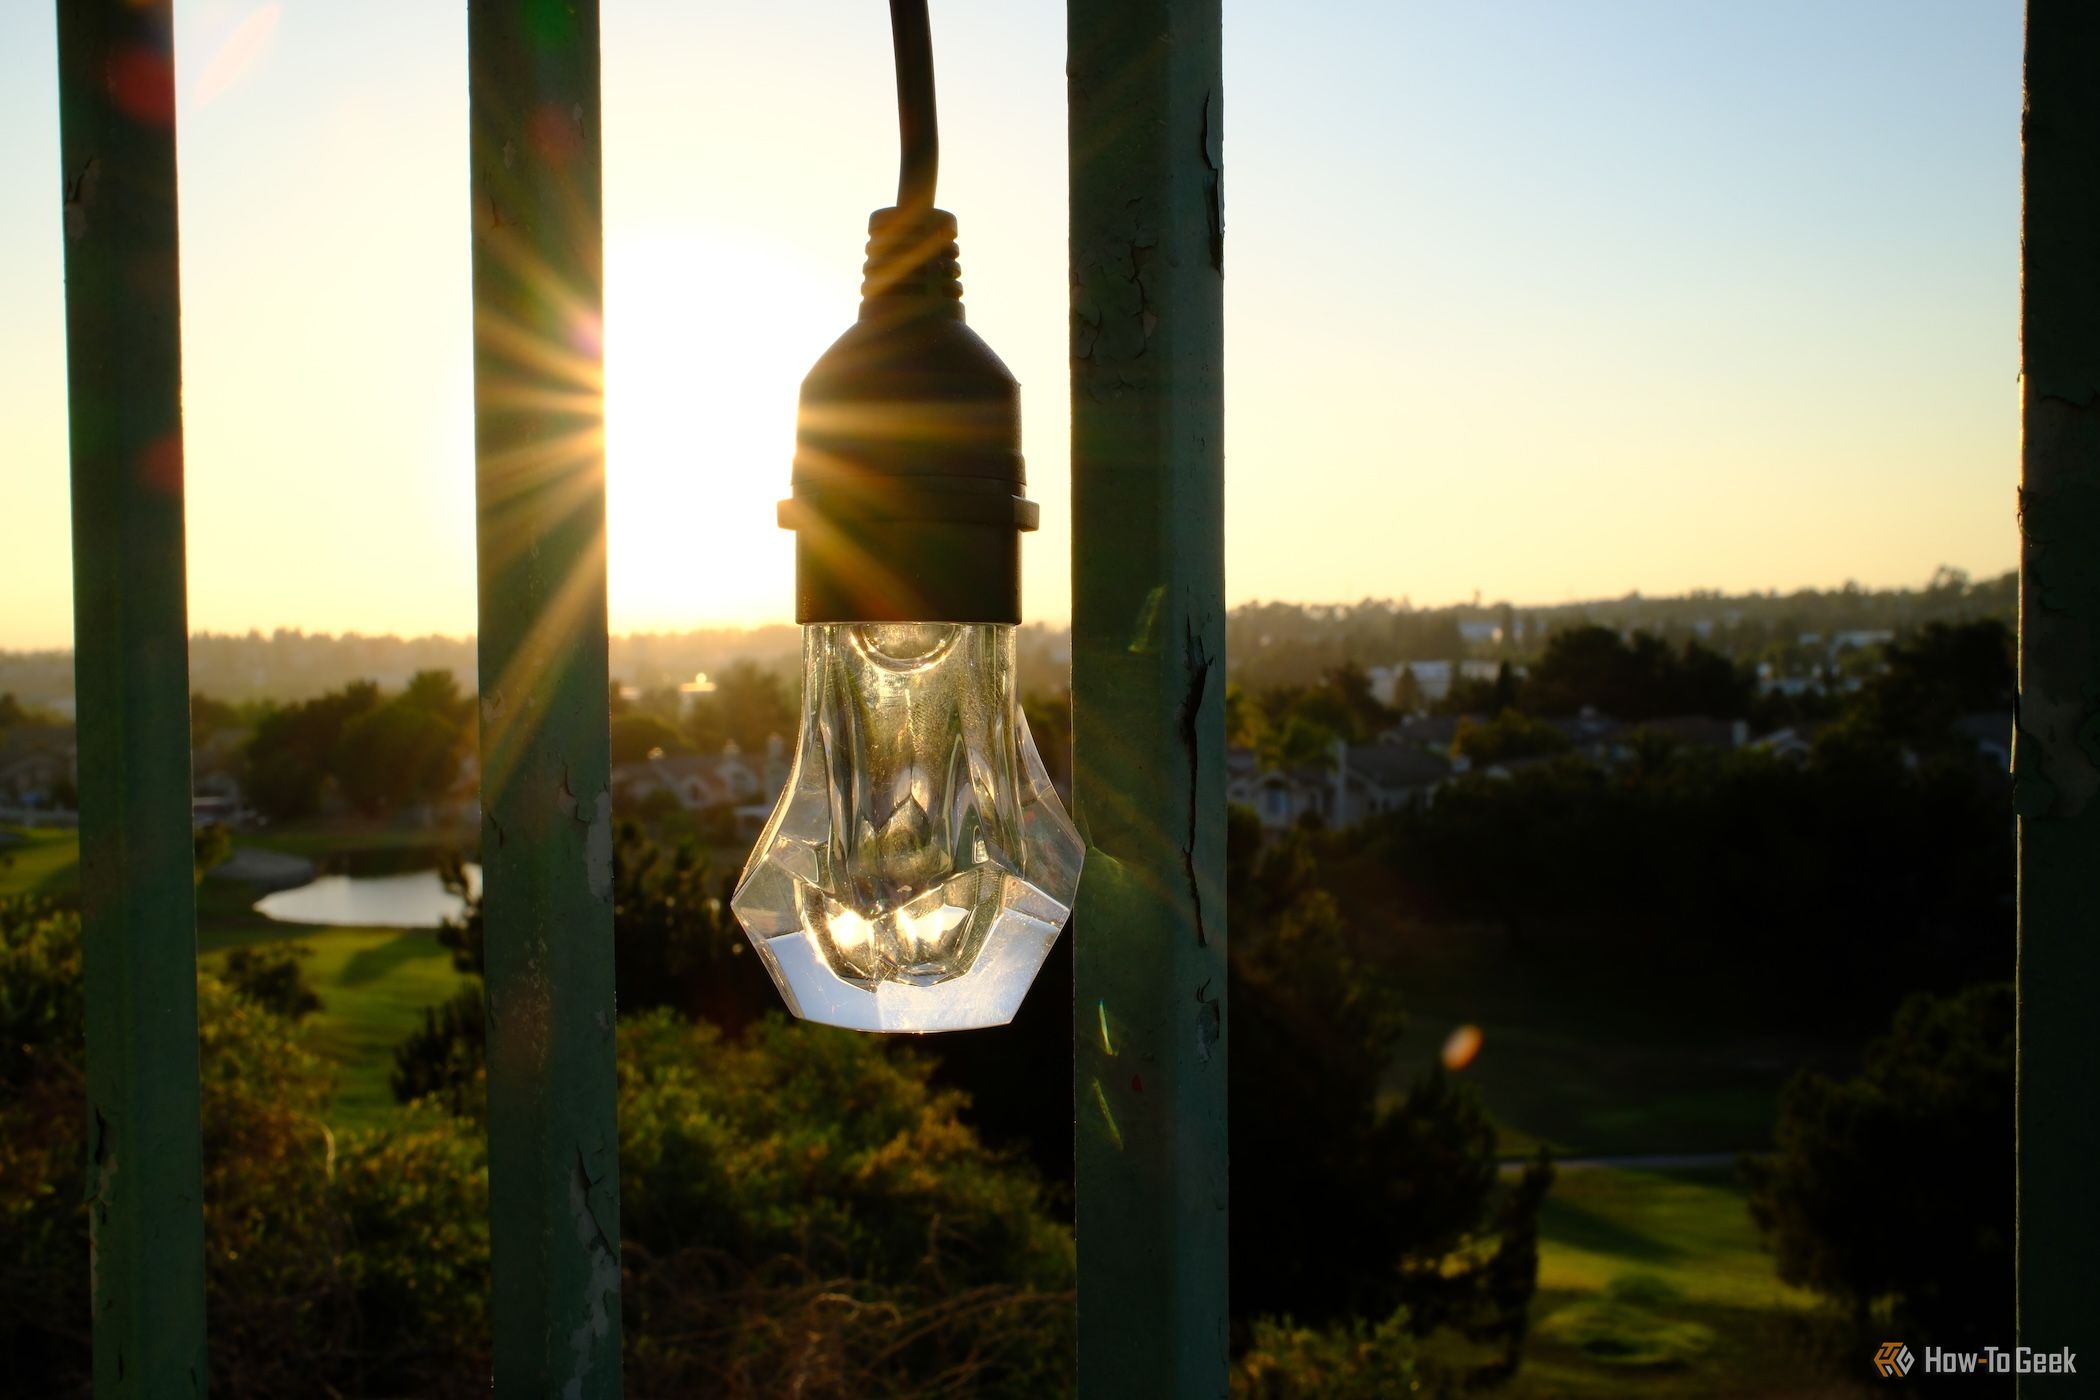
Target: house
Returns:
[1795, 743]
[698, 781]
[1589, 733]
[1432, 679]
[1272, 795]
[1423, 731]
[1479, 632]
[1373, 779]
[1361, 781]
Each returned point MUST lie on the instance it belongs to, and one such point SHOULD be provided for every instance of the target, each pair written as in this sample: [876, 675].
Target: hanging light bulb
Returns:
[918, 865]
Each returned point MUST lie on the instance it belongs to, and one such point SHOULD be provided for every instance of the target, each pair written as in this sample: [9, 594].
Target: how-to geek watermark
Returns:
[1894, 1359]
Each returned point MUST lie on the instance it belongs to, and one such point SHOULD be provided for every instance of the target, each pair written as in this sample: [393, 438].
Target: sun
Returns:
[707, 337]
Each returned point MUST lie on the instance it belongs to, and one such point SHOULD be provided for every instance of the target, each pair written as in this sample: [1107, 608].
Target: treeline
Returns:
[1294, 644]
[1873, 861]
[375, 752]
[1583, 670]
[1268, 643]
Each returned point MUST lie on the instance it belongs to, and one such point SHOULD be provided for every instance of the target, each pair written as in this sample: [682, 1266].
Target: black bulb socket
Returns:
[909, 498]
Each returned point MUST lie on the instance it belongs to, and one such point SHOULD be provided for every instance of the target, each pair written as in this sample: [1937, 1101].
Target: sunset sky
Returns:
[1548, 300]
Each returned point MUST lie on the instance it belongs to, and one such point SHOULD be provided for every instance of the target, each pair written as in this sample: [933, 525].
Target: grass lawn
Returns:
[1571, 1058]
[374, 982]
[1651, 1284]
[1689, 1230]
[39, 860]
[373, 985]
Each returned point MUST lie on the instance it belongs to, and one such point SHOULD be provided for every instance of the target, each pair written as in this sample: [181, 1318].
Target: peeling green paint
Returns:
[1146, 138]
[546, 804]
[144, 1170]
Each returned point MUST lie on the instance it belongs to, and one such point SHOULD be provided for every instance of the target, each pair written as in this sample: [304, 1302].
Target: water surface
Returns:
[415, 900]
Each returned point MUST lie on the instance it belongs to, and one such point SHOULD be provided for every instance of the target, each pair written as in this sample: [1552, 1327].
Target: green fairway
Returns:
[373, 985]
[1651, 1284]
[1688, 1230]
[39, 860]
[1573, 1058]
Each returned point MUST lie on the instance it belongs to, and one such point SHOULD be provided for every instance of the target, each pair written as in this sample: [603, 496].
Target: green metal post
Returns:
[2056, 766]
[1148, 683]
[546, 830]
[116, 65]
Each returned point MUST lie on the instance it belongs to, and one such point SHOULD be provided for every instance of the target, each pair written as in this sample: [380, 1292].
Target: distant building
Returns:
[1360, 782]
[36, 764]
[1433, 679]
[1480, 633]
[746, 784]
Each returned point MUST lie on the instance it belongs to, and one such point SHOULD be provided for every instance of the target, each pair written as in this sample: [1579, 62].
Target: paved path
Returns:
[1642, 1161]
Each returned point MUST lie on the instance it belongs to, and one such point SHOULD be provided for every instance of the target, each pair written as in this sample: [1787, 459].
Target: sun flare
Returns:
[707, 339]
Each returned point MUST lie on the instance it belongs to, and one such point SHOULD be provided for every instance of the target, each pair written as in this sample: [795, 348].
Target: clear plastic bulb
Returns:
[919, 865]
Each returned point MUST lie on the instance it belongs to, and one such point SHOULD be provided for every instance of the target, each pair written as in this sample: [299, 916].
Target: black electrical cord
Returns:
[918, 128]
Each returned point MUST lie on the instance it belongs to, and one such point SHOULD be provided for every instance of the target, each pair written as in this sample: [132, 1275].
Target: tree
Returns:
[1508, 735]
[1936, 676]
[445, 1060]
[438, 693]
[1896, 1187]
[1393, 1205]
[208, 718]
[352, 1265]
[800, 1208]
[809, 1213]
[291, 756]
[1050, 724]
[1407, 693]
[747, 707]
[211, 846]
[675, 942]
[1594, 667]
[636, 736]
[273, 976]
[396, 755]
[1342, 705]
[1246, 721]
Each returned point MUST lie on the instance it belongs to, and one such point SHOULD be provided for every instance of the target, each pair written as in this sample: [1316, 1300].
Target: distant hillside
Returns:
[1294, 643]
[1266, 643]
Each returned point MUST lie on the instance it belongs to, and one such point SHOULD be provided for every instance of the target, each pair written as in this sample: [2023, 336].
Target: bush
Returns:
[1396, 1208]
[274, 977]
[1354, 1360]
[446, 1059]
[296, 1303]
[1896, 1188]
[804, 1213]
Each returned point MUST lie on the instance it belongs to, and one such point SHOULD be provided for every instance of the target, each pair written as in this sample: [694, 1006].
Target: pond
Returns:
[415, 900]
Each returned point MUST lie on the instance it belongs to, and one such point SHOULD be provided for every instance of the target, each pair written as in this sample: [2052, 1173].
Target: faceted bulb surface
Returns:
[919, 865]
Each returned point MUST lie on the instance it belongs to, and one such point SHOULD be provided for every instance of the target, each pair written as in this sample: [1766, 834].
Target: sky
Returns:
[1542, 301]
